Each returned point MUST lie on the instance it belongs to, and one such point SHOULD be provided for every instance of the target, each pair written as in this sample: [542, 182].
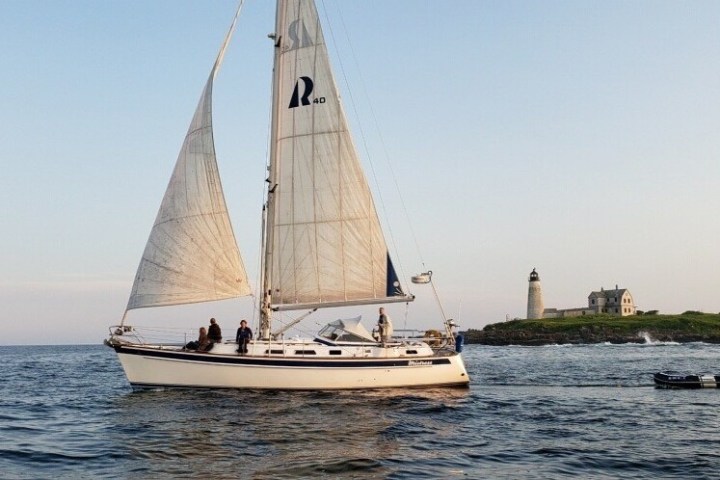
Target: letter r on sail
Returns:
[296, 101]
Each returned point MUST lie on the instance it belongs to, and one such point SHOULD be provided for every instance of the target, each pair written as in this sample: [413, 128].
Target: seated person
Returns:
[202, 344]
[214, 333]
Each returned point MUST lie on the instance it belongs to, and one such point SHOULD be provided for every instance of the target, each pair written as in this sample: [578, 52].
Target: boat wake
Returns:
[629, 383]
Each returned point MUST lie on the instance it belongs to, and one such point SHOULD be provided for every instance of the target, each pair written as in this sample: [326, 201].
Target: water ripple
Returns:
[532, 412]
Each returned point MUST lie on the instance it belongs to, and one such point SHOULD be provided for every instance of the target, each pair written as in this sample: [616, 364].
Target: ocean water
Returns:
[531, 412]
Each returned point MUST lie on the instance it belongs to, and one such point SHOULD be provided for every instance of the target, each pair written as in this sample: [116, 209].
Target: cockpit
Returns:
[346, 330]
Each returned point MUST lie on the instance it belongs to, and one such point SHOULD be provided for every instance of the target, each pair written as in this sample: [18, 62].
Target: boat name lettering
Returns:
[419, 363]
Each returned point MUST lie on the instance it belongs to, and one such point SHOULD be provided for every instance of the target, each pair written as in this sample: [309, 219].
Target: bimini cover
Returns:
[347, 325]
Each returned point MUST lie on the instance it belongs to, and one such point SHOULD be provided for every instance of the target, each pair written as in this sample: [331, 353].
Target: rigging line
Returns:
[260, 259]
[388, 162]
[265, 197]
[437, 299]
[383, 145]
[362, 131]
[159, 329]
[285, 320]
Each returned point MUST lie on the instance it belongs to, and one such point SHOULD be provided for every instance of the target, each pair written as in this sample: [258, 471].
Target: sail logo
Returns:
[304, 98]
[299, 35]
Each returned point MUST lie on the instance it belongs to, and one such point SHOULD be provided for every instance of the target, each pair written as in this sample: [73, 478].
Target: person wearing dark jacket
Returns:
[214, 333]
[243, 336]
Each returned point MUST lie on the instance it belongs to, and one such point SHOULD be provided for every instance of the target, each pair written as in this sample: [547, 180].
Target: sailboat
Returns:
[323, 247]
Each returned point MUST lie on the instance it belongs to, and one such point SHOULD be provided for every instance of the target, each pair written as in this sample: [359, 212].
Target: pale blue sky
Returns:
[580, 138]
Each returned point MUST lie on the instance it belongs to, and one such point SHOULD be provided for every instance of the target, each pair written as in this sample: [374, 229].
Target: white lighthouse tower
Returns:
[535, 307]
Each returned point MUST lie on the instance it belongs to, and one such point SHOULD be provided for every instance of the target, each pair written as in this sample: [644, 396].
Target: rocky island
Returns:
[690, 326]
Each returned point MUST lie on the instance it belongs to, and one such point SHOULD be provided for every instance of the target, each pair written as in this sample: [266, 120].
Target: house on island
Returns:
[618, 302]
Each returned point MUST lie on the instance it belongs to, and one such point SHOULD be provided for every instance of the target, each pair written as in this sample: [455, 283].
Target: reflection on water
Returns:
[276, 434]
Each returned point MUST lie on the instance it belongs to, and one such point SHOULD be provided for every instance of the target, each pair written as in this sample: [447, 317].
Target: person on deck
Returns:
[243, 336]
[385, 327]
[202, 343]
[214, 333]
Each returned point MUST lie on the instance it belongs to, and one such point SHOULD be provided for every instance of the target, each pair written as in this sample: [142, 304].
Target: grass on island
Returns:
[698, 323]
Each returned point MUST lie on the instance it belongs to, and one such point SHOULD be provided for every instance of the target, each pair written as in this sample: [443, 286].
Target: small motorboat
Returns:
[677, 380]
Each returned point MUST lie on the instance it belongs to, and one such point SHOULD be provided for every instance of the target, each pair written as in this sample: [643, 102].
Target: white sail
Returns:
[324, 235]
[192, 255]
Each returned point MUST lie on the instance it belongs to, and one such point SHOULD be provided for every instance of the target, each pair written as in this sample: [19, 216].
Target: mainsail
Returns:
[192, 255]
[324, 239]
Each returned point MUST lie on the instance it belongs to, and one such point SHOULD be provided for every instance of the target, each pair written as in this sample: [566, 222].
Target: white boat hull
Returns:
[157, 366]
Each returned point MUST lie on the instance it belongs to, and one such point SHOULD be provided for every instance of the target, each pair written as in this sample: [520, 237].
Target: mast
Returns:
[269, 209]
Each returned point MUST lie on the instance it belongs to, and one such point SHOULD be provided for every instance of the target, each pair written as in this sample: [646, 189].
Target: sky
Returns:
[576, 137]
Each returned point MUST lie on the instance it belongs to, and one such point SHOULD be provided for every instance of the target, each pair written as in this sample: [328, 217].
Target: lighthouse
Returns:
[535, 306]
